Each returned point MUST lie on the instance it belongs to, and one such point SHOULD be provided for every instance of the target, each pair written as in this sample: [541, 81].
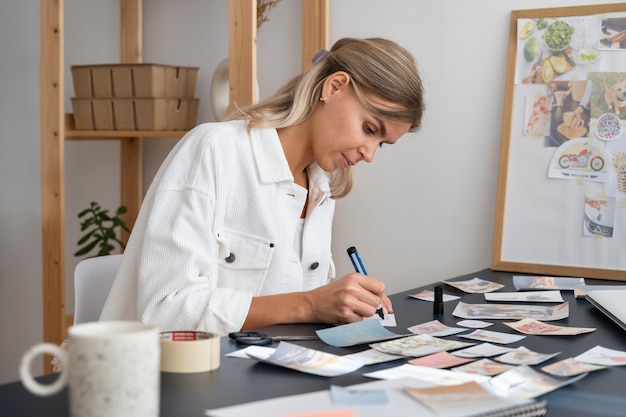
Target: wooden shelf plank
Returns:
[121, 134]
[314, 29]
[52, 179]
[242, 63]
[131, 160]
[71, 133]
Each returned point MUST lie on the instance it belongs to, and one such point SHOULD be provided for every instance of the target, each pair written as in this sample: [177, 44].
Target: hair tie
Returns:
[320, 56]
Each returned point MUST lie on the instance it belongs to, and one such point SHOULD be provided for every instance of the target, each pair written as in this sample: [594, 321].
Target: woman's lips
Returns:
[345, 162]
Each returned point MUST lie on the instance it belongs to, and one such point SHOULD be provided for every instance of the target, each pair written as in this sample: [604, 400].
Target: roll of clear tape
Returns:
[189, 352]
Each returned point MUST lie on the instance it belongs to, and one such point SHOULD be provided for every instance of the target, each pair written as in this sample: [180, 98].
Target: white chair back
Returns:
[93, 278]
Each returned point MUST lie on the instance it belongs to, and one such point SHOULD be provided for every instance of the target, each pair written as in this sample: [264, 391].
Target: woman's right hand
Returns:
[347, 299]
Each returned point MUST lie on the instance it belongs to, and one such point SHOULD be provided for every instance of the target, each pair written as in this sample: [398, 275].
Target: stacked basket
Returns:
[130, 97]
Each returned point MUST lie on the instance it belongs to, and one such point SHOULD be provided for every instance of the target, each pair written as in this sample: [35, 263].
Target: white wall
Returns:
[423, 211]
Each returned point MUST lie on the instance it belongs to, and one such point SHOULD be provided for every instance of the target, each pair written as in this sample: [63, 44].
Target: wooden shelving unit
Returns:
[56, 126]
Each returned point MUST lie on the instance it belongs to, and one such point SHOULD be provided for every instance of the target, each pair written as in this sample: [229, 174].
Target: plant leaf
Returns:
[84, 212]
[86, 249]
[86, 237]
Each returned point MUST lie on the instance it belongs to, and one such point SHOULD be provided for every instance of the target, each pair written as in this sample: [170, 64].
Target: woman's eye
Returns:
[380, 145]
[369, 130]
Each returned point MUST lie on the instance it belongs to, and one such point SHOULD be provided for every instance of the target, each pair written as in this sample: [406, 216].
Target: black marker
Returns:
[438, 304]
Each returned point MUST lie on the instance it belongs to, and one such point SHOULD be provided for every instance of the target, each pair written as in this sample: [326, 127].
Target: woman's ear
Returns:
[335, 82]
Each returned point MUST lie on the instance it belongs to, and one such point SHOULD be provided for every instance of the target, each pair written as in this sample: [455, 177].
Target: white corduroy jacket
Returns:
[217, 228]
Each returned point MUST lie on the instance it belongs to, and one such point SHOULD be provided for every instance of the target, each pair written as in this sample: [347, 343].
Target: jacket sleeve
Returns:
[177, 268]
[175, 247]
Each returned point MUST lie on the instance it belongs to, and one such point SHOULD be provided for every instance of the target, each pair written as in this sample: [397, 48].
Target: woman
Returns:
[235, 230]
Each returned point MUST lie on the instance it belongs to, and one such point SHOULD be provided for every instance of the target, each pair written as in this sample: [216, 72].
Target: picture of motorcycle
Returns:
[582, 159]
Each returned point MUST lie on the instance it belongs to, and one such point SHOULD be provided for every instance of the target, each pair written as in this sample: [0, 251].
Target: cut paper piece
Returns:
[256, 351]
[494, 337]
[530, 326]
[570, 367]
[599, 216]
[372, 356]
[440, 360]
[482, 350]
[348, 396]
[475, 285]
[608, 127]
[526, 296]
[577, 158]
[533, 282]
[388, 321]
[435, 328]
[360, 332]
[471, 399]
[431, 375]
[310, 361]
[511, 311]
[599, 355]
[428, 295]
[417, 345]
[524, 356]
[522, 381]
[474, 324]
[484, 367]
[537, 115]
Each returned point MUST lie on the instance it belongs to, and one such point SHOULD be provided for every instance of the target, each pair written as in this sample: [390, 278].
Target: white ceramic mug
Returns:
[111, 368]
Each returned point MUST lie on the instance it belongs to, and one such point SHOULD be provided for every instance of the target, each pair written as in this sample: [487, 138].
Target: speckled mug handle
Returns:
[27, 377]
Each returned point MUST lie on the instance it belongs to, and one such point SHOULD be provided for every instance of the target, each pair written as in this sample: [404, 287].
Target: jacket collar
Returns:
[272, 165]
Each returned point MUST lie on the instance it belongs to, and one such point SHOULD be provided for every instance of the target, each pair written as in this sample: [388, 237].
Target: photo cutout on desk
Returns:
[428, 295]
[493, 337]
[484, 367]
[435, 328]
[536, 327]
[570, 367]
[600, 355]
[526, 296]
[440, 360]
[418, 345]
[524, 356]
[310, 361]
[511, 311]
[482, 350]
[536, 282]
[475, 285]
[523, 381]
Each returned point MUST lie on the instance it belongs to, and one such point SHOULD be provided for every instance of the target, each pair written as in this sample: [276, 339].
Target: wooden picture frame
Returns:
[543, 210]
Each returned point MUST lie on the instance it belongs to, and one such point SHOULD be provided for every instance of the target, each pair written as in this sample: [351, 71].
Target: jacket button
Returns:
[314, 266]
[230, 258]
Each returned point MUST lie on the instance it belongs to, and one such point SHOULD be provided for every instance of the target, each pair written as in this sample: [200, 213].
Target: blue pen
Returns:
[357, 263]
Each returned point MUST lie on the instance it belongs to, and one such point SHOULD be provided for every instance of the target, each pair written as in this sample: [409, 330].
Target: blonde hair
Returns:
[377, 67]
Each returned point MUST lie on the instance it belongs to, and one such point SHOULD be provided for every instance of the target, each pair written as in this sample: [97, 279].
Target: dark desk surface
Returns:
[240, 380]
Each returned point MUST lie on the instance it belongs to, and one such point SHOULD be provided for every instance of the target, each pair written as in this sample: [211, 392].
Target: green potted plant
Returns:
[100, 230]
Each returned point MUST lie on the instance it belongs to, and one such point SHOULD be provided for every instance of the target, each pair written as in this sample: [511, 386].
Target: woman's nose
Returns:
[368, 152]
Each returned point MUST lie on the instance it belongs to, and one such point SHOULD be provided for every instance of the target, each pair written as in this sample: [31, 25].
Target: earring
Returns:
[324, 98]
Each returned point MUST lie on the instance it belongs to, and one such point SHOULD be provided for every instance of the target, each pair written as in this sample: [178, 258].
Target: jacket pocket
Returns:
[244, 260]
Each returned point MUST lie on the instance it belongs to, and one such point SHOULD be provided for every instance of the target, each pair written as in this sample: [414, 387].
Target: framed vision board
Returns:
[561, 200]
